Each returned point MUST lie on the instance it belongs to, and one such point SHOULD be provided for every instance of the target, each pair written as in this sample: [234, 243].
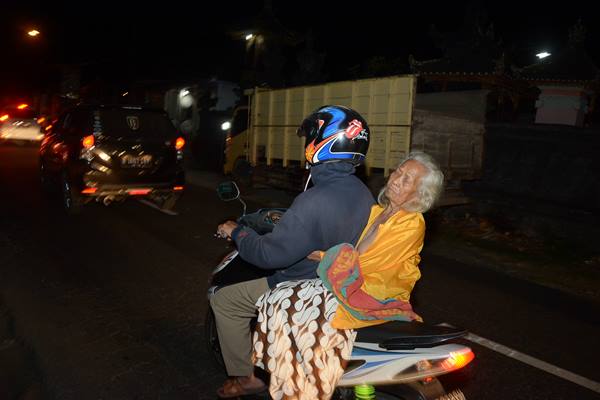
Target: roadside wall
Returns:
[546, 164]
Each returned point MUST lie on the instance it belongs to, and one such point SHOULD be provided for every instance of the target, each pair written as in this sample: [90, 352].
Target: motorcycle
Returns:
[403, 359]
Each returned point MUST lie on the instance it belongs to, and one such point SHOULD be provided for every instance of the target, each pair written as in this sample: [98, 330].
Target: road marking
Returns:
[534, 362]
[152, 205]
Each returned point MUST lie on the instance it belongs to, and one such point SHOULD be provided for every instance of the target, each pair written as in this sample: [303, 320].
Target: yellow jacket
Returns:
[390, 265]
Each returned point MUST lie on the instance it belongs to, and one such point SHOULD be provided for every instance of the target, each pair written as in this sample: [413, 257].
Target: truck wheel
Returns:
[72, 202]
[242, 173]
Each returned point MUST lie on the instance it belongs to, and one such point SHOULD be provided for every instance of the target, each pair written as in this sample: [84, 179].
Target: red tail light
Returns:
[22, 106]
[88, 142]
[179, 143]
[139, 192]
[177, 188]
[89, 190]
[4, 118]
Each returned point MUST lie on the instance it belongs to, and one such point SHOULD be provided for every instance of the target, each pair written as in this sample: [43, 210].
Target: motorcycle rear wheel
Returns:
[432, 390]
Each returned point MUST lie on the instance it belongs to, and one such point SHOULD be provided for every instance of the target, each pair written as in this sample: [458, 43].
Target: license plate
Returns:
[130, 161]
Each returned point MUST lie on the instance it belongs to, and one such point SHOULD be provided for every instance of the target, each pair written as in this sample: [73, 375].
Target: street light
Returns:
[33, 33]
[543, 55]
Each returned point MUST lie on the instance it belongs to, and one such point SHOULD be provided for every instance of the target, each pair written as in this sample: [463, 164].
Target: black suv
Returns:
[107, 153]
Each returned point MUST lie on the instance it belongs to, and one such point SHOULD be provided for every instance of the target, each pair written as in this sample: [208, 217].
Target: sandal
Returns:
[233, 388]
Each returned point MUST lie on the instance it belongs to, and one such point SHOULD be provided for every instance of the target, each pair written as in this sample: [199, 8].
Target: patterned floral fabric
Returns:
[341, 273]
[296, 344]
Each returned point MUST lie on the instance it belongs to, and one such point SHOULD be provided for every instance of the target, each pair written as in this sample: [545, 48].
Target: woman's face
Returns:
[403, 182]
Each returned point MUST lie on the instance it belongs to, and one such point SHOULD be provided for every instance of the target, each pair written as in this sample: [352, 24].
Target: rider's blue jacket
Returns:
[335, 210]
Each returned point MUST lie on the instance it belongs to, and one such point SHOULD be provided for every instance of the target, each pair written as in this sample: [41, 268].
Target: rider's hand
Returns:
[315, 256]
[224, 230]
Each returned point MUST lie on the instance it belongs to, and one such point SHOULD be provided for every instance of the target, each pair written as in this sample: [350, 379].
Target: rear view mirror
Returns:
[228, 191]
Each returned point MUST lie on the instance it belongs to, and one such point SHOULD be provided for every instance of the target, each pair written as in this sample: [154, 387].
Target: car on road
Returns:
[109, 153]
[19, 125]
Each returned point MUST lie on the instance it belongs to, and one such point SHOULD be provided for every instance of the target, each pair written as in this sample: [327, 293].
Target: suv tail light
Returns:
[88, 142]
[179, 143]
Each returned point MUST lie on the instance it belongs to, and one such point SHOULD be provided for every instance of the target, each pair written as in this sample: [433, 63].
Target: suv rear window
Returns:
[133, 123]
[22, 114]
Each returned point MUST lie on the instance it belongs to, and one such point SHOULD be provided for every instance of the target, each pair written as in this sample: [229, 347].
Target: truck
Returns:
[262, 145]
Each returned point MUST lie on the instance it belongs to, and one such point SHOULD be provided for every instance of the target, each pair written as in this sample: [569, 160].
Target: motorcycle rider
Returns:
[333, 211]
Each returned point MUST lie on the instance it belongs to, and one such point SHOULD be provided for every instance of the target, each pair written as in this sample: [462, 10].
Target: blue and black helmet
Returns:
[335, 133]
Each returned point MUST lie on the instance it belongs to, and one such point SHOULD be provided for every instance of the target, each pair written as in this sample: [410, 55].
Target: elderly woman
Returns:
[305, 328]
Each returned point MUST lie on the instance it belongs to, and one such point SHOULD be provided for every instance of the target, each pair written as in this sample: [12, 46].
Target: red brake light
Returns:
[4, 118]
[179, 143]
[22, 106]
[137, 192]
[177, 188]
[89, 190]
[88, 142]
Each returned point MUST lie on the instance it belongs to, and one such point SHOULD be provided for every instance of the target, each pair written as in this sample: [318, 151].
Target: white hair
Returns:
[430, 187]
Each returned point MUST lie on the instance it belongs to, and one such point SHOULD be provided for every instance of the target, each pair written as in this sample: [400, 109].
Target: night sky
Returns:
[181, 40]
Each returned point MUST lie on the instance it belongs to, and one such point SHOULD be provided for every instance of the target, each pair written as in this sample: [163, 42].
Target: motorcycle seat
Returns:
[396, 335]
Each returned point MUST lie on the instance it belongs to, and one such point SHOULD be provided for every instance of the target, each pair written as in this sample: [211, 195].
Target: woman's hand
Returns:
[224, 230]
[315, 256]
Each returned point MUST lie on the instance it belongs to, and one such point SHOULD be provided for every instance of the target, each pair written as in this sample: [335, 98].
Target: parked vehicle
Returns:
[262, 144]
[109, 153]
[403, 359]
[20, 125]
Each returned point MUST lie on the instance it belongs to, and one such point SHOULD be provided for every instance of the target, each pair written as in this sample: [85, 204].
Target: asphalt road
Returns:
[113, 301]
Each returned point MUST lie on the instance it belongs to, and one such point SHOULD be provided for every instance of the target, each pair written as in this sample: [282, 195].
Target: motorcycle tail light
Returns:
[426, 369]
[457, 360]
